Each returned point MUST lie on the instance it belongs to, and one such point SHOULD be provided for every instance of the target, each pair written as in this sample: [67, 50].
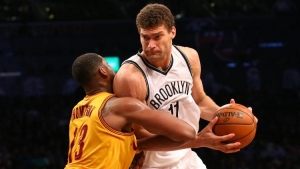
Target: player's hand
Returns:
[206, 138]
[138, 160]
[232, 101]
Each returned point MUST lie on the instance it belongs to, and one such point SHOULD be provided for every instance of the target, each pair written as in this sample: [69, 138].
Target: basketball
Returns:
[237, 119]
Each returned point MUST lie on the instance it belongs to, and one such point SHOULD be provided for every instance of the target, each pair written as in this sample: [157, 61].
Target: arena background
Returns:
[249, 51]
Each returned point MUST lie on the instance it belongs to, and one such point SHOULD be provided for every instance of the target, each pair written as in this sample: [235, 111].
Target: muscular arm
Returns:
[134, 111]
[129, 82]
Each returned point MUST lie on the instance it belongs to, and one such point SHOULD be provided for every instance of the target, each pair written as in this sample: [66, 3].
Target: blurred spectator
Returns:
[253, 79]
[291, 79]
[69, 87]
[47, 10]
[284, 8]
[2, 92]
[33, 86]
[213, 88]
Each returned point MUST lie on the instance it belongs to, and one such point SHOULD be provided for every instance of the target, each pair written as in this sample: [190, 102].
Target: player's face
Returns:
[111, 74]
[109, 69]
[157, 42]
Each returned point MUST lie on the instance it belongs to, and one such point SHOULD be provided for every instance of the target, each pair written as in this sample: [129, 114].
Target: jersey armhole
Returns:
[186, 60]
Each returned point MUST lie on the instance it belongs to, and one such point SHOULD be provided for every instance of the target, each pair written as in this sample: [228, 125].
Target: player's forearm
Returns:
[160, 143]
[208, 108]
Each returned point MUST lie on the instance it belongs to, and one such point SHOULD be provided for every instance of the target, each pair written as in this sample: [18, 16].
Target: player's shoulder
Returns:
[128, 81]
[190, 53]
[187, 50]
[128, 71]
[129, 65]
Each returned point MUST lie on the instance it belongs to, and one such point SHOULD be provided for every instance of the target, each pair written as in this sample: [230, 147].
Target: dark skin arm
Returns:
[122, 112]
[157, 143]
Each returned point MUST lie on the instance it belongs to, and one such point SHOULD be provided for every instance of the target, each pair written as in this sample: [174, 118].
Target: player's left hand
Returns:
[206, 138]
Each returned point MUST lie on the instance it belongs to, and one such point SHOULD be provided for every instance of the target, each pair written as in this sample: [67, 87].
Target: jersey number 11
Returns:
[174, 107]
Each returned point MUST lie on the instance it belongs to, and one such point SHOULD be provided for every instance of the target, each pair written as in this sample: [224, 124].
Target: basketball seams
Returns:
[244, 137]
[219, 111]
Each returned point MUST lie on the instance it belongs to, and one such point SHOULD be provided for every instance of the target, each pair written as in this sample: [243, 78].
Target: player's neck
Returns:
[93, 92]
[162, 64]
[97, 88]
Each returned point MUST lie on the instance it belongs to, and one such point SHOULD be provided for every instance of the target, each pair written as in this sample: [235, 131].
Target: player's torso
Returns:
[94, 144]
[170, 91]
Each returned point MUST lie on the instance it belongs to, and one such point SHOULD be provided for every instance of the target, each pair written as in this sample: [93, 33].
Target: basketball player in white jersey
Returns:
[167, 77]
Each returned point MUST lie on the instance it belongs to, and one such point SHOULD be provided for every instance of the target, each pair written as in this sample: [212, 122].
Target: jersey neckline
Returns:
[164, 72]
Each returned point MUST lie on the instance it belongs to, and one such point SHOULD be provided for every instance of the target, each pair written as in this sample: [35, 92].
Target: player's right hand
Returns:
[206, 138]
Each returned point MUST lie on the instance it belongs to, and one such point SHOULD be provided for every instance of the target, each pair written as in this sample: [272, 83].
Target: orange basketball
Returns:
[237, 119]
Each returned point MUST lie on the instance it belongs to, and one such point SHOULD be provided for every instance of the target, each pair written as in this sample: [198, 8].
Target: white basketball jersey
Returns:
[169, 90]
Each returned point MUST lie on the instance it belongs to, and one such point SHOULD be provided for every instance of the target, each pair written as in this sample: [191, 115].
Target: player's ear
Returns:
[103, 72]
[173, 32]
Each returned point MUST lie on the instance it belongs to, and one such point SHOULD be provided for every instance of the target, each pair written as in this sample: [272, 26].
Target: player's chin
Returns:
[154, 57]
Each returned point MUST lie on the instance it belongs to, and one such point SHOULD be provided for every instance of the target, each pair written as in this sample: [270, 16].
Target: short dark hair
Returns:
[85, 67]
[153, 15]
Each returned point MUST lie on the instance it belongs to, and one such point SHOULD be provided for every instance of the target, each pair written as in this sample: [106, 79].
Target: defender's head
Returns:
[93, 73]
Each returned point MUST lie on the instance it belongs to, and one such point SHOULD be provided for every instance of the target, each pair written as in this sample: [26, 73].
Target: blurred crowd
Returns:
[47, 10]
[34, 132]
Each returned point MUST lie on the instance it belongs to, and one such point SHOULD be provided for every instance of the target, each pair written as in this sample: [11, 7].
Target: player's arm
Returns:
[207, 106]
[134, 111]
[129, 82]
[205, 138]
